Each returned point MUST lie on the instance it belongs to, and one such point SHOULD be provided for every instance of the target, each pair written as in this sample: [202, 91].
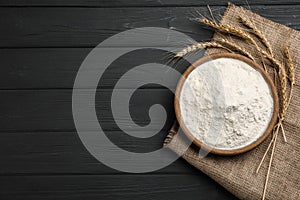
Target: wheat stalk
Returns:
[257, 32]
[271, 58]
[270, 163]
[246, 22]
[236, 48]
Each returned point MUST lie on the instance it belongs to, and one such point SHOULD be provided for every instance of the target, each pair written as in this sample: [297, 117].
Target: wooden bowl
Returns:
[256, 67]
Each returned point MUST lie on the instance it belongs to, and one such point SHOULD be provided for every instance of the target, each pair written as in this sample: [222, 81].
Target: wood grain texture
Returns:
[59, 153]
[112, 187]
[42, 44]
[45, 110]
[38, 68]
[87, 27]
[140, 3]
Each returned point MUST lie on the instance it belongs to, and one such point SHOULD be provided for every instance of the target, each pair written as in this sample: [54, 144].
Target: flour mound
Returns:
[226, 104]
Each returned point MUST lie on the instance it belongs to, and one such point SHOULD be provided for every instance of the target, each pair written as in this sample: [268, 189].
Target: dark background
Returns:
[42, 44]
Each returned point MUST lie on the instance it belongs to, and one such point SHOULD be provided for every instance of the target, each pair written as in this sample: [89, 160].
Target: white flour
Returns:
[226, 104]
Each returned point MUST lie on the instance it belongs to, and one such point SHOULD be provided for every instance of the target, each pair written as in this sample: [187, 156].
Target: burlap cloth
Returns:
[237, 173]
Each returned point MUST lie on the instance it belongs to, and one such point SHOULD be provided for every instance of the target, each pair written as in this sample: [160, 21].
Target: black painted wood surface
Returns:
[42, 44]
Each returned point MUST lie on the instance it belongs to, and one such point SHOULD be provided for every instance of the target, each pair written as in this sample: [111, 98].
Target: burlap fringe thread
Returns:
[281, 76]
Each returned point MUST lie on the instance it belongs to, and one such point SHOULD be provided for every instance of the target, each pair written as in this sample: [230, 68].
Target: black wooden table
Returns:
[42, 45]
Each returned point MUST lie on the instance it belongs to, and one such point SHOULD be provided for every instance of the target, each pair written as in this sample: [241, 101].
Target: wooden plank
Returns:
[141, 3]
[164, 187]
[30, 153]
[57, 68]
[45, 110]
[86, 27]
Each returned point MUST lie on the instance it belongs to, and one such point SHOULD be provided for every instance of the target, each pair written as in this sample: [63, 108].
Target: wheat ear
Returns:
[201, 45]
[229, 29]
[283, 87]
[291, 70]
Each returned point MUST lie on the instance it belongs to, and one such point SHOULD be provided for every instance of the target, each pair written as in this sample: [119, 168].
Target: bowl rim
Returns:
[256, 67]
